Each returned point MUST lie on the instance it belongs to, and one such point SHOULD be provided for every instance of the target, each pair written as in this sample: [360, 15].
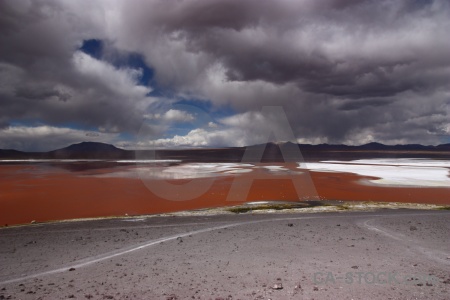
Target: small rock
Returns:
[412, 228]
[277, 286]
[290, 224]
[315, 289]
[72, 269]
[354, 267]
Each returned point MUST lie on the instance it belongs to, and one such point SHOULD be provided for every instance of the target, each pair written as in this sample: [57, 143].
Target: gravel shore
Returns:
[382, 254]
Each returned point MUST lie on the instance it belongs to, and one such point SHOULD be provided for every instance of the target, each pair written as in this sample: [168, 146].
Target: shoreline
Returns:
[44, 193]
[258, 207]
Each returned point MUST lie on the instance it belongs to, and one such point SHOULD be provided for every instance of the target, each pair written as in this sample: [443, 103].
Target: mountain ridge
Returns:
[96, 150]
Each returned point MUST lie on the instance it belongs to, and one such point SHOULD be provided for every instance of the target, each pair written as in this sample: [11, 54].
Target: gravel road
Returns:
[386, 254]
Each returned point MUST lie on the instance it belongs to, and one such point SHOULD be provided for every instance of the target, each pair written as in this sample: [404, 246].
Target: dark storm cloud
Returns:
[40, 93]
[369, 49]
[344, 71]
[44, 77]
[358, 56]
[356, 105]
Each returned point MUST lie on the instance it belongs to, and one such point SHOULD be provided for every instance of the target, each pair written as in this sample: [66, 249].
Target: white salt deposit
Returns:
[183, 171]
[392, 172]
[275, 168]
[419, 162]
[195, 170]
[148, 161]
[49, 160]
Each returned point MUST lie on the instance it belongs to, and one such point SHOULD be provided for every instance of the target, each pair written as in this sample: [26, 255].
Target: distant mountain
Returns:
[11, 153]
[443, 147]
[373, 146]
[90, 147]
[272, 152]
[91, 150]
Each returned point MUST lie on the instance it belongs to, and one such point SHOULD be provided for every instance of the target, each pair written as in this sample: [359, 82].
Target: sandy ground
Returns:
[43, 192]
[386, 254]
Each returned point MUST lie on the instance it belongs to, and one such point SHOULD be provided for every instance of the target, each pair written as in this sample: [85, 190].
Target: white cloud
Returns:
[178, 116]
[46, 138]
[195, 138]
[171, 116]
[122, 81]
[198, 137]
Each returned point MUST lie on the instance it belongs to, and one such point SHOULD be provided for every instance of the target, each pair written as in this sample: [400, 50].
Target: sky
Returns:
[197, 73]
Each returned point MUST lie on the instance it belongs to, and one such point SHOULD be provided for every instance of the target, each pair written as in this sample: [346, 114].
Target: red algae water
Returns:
[46, 192]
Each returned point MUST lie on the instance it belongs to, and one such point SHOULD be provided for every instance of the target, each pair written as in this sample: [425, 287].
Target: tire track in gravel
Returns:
[414, 244]
[108, 255]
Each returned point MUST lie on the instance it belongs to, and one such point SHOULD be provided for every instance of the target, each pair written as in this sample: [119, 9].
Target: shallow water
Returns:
[58, 190]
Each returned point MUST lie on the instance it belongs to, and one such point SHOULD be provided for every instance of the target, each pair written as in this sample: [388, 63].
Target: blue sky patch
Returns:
[93, 48]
